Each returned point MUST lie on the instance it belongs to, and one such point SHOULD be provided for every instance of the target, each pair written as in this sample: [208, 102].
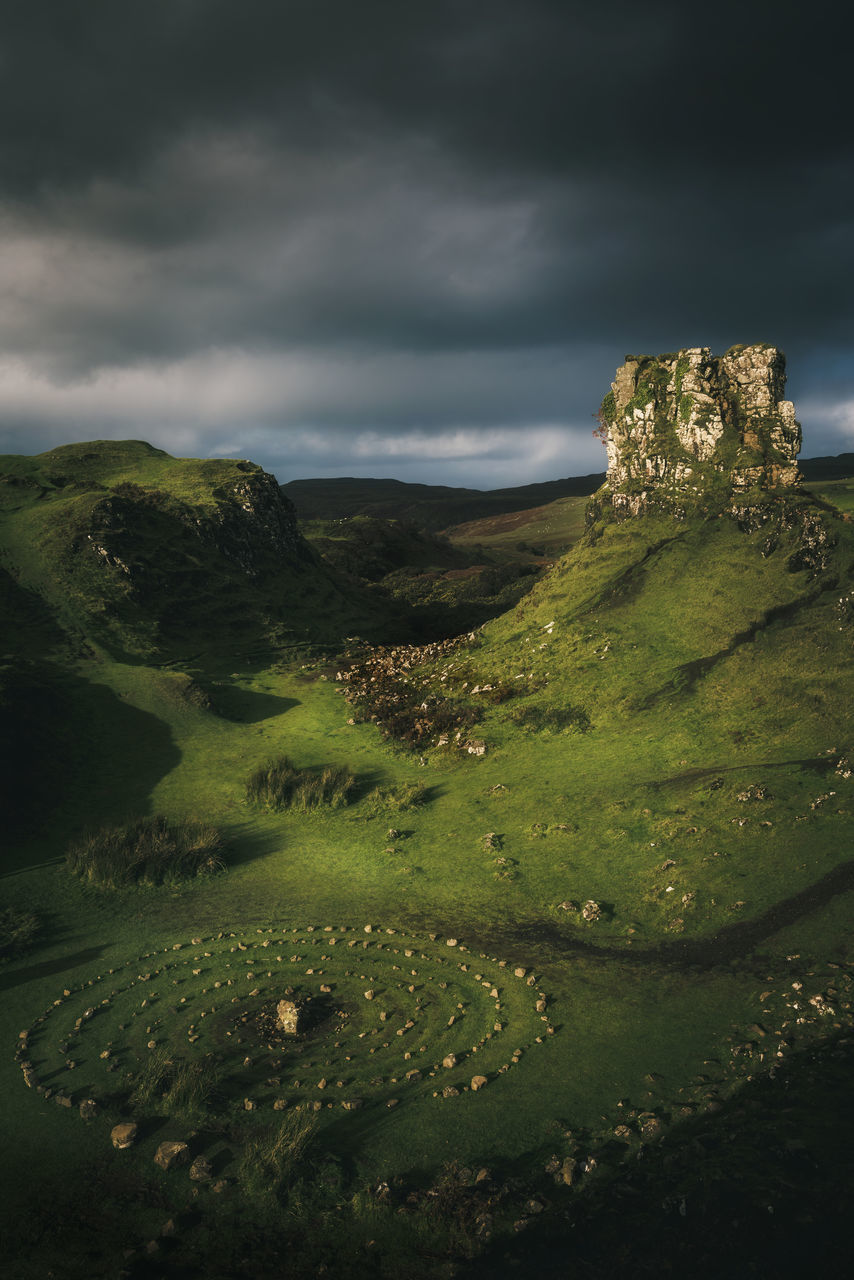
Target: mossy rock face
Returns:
[691, 431]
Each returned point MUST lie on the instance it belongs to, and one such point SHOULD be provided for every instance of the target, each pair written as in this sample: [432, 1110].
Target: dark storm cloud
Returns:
[336, 231]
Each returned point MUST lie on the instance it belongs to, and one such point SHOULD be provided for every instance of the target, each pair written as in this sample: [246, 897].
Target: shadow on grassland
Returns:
[16, 978]
[73, 756]
[732, 942]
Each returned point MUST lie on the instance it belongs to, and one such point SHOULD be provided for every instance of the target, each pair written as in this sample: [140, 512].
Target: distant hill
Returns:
[839, 467]
[435, 507]
[430, 506]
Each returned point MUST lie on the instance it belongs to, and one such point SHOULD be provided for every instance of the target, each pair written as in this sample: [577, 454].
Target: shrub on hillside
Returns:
[175, 1086]
[383, 800]
[281, 785]
[148, 851]
[18, 930]
[271, 1157]
[557, 718]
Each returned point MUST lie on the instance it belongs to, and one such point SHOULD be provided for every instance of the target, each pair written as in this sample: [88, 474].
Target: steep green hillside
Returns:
[660, 670]
[154, 556]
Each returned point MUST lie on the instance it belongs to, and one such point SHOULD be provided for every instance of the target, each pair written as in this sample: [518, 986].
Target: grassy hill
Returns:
[155, 556]
[575, 942]
[433, 507]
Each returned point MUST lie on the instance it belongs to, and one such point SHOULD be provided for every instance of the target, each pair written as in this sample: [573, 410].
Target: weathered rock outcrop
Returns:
[253, 519]
[246, 519]
[690, 431]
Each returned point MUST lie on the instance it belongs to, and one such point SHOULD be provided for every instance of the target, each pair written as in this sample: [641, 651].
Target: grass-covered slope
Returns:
[547, 530]
[647, 814]
[152, 555]
[660, 672]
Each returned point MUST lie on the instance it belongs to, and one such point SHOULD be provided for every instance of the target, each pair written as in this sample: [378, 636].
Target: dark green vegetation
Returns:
[281, 785]
[635, 787]
[18, 930]
[436, 585]
[148, 851]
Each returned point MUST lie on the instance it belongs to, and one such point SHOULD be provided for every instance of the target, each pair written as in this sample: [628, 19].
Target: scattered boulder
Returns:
[478, 1082]
[88, 1109]
[170, 1155]
[591, 911]
[123, 1135]
[201, 1170]
[650, 1127]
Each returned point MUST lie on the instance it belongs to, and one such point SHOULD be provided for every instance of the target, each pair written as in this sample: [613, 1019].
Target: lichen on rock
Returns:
[693, 431]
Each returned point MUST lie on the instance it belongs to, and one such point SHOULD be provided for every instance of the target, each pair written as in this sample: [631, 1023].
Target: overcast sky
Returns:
[412, 238]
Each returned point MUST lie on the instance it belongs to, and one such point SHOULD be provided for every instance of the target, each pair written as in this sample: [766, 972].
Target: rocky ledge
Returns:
[690, 430]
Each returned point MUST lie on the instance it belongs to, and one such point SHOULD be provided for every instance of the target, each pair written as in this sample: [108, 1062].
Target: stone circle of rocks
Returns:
[311, 1017]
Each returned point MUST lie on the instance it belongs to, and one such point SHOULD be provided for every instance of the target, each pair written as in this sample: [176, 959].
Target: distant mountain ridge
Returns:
[431, 506]
[441, 506]
[833, 467]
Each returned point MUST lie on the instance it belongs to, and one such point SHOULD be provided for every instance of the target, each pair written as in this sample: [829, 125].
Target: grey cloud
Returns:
[403, 219]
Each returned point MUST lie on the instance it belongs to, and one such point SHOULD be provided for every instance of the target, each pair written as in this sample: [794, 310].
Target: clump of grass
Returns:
[18, 931]
[150, 1081]
[270, 1158]
[175, 1086]
[384, 800]
[281, 785]
[148, 851]
[557, 718]
[192, 1085]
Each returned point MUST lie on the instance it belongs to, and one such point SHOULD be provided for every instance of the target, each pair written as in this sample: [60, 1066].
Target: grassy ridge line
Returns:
[439, 506]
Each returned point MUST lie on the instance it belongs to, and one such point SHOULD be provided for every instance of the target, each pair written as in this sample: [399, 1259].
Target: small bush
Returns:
[148, 851]
[281, 785]
[384, 800]
[18, 930]
[558, 718]
[270, 1158]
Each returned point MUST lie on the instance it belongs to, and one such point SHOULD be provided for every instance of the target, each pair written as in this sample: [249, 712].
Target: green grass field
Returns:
[704, 804]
